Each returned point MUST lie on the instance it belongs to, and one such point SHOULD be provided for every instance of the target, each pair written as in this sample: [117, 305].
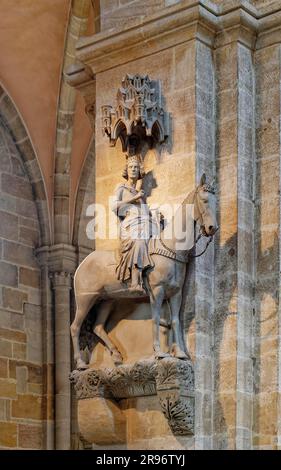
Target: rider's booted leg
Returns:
[136, 284]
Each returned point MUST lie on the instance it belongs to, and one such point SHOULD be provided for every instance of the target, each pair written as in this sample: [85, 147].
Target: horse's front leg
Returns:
[104, 311]
[84, 303]
[156, 301]
[175, 305]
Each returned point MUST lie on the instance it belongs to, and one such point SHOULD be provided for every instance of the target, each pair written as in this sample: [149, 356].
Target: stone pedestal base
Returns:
[148, 405]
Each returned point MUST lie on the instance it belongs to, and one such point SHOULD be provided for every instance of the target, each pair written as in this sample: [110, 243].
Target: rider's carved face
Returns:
[133, 170]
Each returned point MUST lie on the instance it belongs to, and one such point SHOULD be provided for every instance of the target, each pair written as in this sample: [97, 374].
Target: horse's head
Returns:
[204, 209]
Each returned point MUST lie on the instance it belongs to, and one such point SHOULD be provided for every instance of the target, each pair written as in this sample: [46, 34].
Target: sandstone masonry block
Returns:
[14, 299]
[5, 162]
[2, 410]
[26, 208]
[8, 434]
[18, 254]
[35, 374]
[26, 149]
[7, 389]
[13, 335]
[30, 437]
[8, 274]
[21, 374]
[3, 368]
[28, 236]
[19, 351]
[27, 406]
[5, 348]
[35, 389]
[8, 226]
[15, 186]
[17, 167]
[29, 277]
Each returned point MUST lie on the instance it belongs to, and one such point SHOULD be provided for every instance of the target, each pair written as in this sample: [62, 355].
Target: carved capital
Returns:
[62, 258]
[61, 279]
[58, 258]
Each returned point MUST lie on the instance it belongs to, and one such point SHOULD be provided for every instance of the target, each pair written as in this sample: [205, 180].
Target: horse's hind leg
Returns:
[84, 303]
[104, 311]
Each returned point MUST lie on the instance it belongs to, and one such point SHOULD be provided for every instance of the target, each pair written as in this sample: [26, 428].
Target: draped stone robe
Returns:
[136, 227]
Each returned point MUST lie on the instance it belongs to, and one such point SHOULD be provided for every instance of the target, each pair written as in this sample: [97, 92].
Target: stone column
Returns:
[48, 348]
[235, 254]
[62, 265]
[61, 283]
[204, 266]
[267, 313]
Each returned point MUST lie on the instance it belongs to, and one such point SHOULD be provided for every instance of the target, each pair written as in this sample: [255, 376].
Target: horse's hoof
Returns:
[117, 359]
[81, 365]
[179, 354]
[182, 356]
[161, 355]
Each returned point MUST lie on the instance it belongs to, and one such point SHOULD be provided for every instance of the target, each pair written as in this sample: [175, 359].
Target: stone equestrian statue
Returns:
[155, 263]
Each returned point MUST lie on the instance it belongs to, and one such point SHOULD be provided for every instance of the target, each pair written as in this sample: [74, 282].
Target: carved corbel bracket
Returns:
[138, 113]
[88, 384]
[175, 390]
[171, 379]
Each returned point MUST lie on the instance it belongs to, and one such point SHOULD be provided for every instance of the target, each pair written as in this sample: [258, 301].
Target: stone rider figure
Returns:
[135, 227]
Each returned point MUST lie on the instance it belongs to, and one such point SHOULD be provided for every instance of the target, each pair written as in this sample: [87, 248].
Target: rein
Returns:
[205, 249]
[173, 254]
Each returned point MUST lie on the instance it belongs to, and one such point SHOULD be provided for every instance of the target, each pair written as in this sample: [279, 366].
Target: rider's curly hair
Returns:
[136, 158]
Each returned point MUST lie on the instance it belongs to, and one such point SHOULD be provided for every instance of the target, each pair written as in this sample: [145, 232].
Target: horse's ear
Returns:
[203, 179]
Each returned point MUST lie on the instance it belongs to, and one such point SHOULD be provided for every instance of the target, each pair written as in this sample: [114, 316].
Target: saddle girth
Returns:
[156, 246]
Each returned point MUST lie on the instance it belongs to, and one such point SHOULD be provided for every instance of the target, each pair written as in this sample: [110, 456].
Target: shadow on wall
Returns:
[226, 289]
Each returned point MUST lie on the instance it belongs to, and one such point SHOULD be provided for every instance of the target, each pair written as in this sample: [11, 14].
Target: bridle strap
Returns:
[170, 253]
[205, 249]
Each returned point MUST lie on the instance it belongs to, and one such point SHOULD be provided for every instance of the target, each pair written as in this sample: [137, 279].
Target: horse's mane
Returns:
[189, 198]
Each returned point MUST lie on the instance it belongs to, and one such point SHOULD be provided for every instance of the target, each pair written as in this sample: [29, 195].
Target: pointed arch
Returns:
[84, 197]
[13, 122]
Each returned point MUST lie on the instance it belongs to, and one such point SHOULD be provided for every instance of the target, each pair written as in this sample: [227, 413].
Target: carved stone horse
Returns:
[95, 279]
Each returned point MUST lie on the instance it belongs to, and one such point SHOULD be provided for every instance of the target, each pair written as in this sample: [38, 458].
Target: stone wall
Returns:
[121, 14]
[175, 68]
[267, 236]
[22, 407]
[219, 68]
